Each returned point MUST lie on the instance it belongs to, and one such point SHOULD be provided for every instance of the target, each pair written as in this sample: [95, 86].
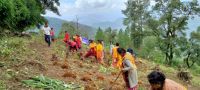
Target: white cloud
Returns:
[98, 10]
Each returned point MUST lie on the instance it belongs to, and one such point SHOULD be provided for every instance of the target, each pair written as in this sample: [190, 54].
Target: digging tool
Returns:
[115, 80]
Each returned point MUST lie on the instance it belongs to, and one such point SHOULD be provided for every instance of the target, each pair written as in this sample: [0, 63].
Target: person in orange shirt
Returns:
[158, 81]
[99, 52]
[115, 55]
[92, 49]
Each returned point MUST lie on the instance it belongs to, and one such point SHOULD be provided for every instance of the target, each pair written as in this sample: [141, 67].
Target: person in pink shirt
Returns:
[52, 33]
[72, 46]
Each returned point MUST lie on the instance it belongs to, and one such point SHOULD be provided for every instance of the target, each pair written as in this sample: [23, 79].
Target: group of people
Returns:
[121, 59]
[74, 44]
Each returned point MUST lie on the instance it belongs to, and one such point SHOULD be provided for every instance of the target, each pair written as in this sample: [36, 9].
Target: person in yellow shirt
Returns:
[92, 49]
[115, 55]
[99, 53]
[131, 55]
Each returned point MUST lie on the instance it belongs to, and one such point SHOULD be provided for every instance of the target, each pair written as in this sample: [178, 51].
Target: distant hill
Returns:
[90, 31]
[56, 23]
[117, 24]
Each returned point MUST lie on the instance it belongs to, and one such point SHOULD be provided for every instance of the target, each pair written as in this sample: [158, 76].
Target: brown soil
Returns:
[69, 74]
[74, 70]
[86, 78]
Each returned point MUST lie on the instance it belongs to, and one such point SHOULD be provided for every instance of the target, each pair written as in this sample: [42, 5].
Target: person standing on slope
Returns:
[47, 34]
[115, 55]
[52, 34]
[99, 52]
[129, 69]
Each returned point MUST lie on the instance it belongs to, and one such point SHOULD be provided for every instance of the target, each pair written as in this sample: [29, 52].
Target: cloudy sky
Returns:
[90, 11]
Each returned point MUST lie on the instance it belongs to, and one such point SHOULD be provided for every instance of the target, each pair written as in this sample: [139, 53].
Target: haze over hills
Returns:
[56, 23]
[117, 24]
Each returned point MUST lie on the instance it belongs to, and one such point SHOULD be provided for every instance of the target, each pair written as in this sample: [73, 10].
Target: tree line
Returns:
[158, 27]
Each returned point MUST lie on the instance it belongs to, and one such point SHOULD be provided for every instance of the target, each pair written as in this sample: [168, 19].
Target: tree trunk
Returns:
[187, 60]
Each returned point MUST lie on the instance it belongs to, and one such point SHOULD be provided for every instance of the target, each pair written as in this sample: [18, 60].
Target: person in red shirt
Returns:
[52, 33]
[67, 36]
[78, 41]
[72, 46]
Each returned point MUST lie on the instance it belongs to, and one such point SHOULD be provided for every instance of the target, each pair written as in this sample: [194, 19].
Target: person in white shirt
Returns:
[47, 34]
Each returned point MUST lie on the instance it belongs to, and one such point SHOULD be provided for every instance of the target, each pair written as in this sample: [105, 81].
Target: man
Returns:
[47, 34]
[111, 47]
[129, 69]
[158, 81]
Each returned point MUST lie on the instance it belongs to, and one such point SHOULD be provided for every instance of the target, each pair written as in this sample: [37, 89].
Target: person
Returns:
[67, 37]
[78, 41]
[131, 53]
[115, 56]
[92, 49]
[103, 53]
[129, 70]
[47, 34]
[72, 46]
[158, 81]
[99, 52]
[52, 34]
[111, 47]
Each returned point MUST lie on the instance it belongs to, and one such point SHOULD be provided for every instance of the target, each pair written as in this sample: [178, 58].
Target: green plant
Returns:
[2, 85]
[50, 84]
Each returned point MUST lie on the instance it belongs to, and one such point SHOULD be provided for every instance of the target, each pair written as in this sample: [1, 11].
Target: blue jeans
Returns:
[48, 39]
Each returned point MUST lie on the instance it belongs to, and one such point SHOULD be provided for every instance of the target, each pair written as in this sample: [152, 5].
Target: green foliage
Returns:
[18, 15]
[169, 26]
[103, 69]
[136, 16]
[150, 50]
[69, 28]
[9, 46]
[2, 85]
[50, 84]
[99, 34]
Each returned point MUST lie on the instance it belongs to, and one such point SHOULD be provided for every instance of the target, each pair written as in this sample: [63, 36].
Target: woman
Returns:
[99, 52]
[158, 81]
[92, 50]
[52, 35]
[129, 70]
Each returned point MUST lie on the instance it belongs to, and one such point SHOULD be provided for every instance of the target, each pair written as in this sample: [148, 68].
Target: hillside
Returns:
[38, 59]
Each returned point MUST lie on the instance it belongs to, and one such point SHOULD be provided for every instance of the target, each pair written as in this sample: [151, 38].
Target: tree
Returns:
[136, 16]
[69, 28]
[99, 34]
[170, 21]
[191, 49]
[18, 15]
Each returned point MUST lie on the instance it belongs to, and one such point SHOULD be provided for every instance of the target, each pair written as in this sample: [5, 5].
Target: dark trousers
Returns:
[48, 39]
